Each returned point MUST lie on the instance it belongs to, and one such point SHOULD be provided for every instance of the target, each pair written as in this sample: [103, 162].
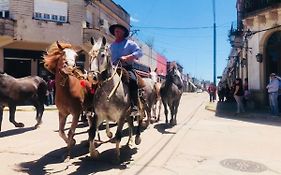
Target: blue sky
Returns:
[182, 31]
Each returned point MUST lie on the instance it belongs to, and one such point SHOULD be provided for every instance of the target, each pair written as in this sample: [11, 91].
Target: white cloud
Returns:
[134, 19]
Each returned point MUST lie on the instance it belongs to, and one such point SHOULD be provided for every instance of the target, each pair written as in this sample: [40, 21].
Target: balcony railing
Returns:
[254, 5]
[7, 27]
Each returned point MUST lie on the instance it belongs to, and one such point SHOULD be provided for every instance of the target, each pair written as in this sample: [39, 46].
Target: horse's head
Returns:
[60, 57]
[100, 61]
[174, 76]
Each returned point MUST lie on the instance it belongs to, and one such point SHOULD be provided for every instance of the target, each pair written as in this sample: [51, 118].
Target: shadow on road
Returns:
[162, 128]
[54, 162]
[16, 131]
[259, 116]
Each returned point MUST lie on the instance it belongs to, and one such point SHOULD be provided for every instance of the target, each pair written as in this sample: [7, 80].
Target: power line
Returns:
[176, 28]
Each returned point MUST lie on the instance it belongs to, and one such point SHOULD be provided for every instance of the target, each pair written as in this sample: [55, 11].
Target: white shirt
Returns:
[273, 86]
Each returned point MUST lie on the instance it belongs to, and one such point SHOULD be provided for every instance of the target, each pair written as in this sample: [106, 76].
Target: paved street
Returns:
[204, 142]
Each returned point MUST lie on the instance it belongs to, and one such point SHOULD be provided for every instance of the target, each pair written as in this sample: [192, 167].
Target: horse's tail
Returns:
[42, 90]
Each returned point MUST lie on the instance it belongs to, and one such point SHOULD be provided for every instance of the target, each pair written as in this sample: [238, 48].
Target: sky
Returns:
[182, 31]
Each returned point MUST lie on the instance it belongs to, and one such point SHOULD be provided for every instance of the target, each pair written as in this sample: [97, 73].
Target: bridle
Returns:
[104, 50]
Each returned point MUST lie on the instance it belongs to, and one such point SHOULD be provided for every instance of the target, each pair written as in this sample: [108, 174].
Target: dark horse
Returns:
[14, 91]
[111, 99]
[70, 94]
[171, 91]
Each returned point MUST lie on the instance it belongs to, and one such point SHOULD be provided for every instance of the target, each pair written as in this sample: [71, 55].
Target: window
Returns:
[46, 16]
[51, 10]
[62, 19]
[38, 15]
[4, 14]
[55, 17]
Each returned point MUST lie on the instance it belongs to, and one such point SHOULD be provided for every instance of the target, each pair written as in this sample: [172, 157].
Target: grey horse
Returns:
[111, 100]
[150, 99]
[171, 91]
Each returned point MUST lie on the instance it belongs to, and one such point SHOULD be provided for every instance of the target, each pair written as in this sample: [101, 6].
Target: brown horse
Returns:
[70, 95]
[14, 91]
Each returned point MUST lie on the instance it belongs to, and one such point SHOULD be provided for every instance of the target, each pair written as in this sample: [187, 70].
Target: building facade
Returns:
[261, 44]
[28, 27]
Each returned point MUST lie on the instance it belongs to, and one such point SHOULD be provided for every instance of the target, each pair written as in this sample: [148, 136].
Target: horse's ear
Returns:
[103, 41]
[59, 46]
[92, 41]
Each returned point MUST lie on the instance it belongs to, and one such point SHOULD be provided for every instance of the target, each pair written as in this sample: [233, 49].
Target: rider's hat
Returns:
[112, 28]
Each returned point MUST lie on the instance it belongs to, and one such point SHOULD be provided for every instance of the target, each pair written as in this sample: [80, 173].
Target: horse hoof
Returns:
[19, 125]
[109, 135]
[94, 154]
[137, 140]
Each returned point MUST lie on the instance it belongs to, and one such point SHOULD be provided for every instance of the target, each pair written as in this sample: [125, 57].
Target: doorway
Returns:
[17, 67]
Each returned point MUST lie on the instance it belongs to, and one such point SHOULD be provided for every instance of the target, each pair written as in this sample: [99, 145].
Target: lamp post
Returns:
[214, 17]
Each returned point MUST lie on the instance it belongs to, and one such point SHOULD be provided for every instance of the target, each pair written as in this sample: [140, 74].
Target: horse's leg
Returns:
[166, 111]
[108, 133]
[12, 111]
[130, 121]
[62, 121]
[1, 115]
[71, 141]
[176, 110]
[172, 111]
[92, 133]
[118, 137]
[159, 110]
[138, 132]
[39, 113]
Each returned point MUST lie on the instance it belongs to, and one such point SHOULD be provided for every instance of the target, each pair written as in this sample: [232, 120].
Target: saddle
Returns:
[125, 77]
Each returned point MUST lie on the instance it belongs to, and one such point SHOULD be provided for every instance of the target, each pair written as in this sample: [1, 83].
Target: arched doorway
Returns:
[273, 55]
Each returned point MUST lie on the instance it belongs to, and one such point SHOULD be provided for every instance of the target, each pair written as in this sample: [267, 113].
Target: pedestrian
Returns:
[126, 51]
[272, 89]
[212, 92]
[50, 91]
[246, 92]
[238, 95]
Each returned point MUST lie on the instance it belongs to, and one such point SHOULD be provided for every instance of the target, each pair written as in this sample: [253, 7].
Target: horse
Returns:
[171, 91]
[150, 99]
[111, 100]
[14, 91]
[70, 93]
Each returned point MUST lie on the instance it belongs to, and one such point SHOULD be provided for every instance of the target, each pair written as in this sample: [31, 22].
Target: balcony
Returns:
[253, 6]
[7, 27]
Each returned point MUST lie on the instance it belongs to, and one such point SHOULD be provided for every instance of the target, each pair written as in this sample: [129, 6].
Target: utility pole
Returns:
[215, 49]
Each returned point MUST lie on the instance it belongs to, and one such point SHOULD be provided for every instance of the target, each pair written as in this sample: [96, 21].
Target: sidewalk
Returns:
[32, 108]
[228, 109]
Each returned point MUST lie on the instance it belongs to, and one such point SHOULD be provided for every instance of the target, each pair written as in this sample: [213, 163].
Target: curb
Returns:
[211, 106]
[32, 108]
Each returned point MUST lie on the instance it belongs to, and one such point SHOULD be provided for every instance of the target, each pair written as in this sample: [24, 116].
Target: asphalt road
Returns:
[201, 143]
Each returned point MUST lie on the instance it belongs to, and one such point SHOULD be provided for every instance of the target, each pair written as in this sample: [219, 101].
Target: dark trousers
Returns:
[133, 85]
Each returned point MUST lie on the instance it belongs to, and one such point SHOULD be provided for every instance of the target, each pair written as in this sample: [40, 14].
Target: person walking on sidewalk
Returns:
[238, 95]
[212, 92]
[272, 89]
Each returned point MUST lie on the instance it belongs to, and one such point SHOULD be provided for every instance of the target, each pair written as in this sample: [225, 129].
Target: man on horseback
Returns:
[126, 51]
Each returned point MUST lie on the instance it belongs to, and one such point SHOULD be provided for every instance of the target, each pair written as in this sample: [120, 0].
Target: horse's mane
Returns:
[53, 54]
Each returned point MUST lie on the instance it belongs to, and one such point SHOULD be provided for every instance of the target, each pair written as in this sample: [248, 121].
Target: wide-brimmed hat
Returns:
[112, 28]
